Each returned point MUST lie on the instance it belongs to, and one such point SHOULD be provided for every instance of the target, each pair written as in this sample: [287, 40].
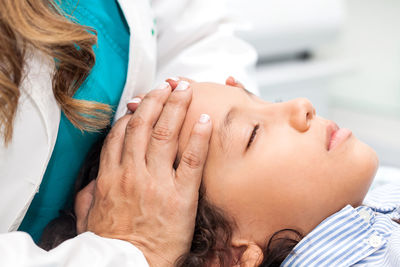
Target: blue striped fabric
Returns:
[362, 236]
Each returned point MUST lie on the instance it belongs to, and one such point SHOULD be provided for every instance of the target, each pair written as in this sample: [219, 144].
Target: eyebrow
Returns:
[225, 128]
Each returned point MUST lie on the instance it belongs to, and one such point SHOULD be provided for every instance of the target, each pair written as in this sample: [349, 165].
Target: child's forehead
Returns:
[212, 99]
[213, 88]
[215, 99]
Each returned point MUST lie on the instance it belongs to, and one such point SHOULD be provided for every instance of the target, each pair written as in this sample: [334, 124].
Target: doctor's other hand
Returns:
[231, 81]
[138, 196]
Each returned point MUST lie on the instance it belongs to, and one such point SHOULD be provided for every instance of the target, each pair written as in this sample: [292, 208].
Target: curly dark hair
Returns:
[212, 234]
[212, 240]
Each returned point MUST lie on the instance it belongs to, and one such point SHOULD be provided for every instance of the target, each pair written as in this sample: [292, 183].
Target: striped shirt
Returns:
[362, 236]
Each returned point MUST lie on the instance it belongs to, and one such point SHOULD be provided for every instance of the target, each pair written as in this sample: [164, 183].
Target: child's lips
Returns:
[335, 135]
[338, 137]
[330, 129]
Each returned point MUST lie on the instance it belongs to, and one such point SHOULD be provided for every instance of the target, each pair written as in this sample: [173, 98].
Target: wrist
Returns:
[155, 259]
[155, 255]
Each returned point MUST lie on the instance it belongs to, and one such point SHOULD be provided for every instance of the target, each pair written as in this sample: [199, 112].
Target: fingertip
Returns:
[173, 82]
[203, 126]
[163, 86]
[135, 100]
[175, 79]
[204, 118]
[230, 81]
[182, 86]
[133, 104]
[131, 107]
[201, 132]
[194, 156]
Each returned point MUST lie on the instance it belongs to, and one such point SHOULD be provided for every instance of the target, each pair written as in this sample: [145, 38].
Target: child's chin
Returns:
[371, 159]
[368, 160]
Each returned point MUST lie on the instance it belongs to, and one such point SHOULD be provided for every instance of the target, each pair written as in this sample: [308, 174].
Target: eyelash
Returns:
[253, 135]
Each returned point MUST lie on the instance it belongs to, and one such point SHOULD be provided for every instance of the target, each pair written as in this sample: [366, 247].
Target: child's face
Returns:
[286, 178]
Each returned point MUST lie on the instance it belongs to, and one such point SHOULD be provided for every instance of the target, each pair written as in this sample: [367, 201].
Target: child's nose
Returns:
[301, 112]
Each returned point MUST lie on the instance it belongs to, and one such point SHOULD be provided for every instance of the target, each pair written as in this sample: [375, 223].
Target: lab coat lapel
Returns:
[142, 51]
[24, 161]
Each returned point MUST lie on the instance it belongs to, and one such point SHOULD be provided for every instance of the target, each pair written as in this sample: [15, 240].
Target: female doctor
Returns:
[51, 109]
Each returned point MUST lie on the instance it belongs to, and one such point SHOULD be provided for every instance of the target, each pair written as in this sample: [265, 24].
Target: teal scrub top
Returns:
[104, 84]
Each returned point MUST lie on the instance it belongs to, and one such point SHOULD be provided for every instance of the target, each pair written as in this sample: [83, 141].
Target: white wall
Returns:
[367, 100]
[371, 39]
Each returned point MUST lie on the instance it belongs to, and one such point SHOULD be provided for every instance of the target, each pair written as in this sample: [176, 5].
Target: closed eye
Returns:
[252, 136]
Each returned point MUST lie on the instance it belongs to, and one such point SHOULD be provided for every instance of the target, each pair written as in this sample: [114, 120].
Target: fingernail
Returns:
[129, 112]
[135, 100]
[204, 118]
[182, 85]
[173, 78]
[163, 86]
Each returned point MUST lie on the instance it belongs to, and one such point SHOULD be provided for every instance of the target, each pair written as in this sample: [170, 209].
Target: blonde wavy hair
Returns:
[41, 25]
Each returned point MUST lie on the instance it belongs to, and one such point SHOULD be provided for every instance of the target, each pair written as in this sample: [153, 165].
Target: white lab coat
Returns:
[193, 39]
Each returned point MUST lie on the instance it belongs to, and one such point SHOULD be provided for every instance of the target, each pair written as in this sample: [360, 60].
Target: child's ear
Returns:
[251, 254]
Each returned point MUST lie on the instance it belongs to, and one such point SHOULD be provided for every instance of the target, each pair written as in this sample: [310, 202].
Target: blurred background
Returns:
[344, 55]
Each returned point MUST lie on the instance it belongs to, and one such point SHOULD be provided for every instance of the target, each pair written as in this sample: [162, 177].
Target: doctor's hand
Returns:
[173, 82]
[138, 196]
[231, 81]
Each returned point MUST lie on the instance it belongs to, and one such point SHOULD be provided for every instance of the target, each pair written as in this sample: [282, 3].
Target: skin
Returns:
[287, 178]
[136, 182]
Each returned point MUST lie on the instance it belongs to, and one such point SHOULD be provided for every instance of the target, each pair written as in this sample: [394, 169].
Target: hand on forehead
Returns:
[211, 98]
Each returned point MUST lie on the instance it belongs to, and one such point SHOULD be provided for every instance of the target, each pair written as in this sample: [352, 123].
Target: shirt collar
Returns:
[342, 239]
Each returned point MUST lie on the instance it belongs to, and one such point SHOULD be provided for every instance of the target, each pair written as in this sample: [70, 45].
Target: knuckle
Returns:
[135, 122]
[162, 133]
[126, 181]
[191, 159]
[112, 137]
[178, 101]
[128, 173]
